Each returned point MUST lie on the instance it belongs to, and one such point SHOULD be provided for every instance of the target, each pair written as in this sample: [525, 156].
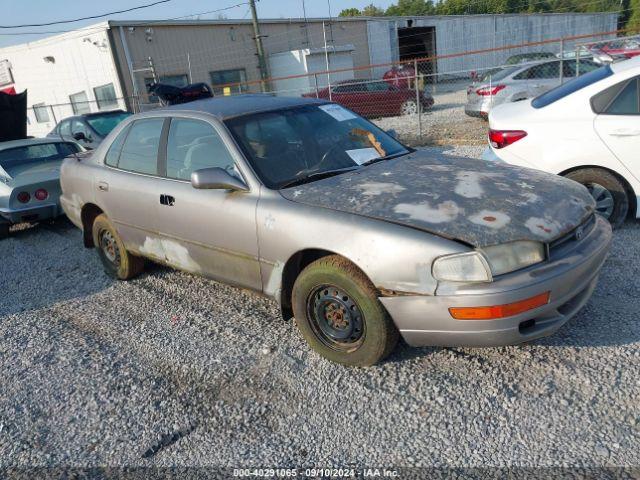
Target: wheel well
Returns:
[630, 193]
[292, 269]
[88, 215]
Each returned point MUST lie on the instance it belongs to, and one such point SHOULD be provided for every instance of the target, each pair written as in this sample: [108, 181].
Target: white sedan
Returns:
[587, 129]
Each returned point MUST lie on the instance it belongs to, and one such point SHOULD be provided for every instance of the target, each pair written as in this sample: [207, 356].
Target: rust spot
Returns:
[489, 218]
[542, 227]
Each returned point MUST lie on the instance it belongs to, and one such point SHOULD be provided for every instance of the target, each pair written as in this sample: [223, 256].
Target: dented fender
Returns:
[396, 258]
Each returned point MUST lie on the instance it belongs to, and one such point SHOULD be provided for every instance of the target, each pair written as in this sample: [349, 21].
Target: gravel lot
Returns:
[443, 124]
[175, 370]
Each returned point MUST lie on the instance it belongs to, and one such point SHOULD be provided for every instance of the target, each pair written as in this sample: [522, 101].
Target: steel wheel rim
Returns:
[109, 248]
[335, 318]
[603, 198]
[409, 108]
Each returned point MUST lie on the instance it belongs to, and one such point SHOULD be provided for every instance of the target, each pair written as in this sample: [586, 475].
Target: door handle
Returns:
[103, 186]
[167, 200]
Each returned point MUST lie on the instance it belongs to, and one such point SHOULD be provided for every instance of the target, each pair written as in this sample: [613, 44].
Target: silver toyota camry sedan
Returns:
[358, 237]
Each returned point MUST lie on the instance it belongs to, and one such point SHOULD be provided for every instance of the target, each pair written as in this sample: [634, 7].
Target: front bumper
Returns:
[31, 213]
[570, 276]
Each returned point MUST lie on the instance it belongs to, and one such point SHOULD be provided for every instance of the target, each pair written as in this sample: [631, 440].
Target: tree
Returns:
[372, 11]
[350, 12]
[411, 8]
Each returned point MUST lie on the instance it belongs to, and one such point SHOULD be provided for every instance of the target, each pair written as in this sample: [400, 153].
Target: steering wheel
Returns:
[322, 161]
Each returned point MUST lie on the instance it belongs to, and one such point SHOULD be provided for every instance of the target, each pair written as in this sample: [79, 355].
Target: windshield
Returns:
[103, 124]
[41, 152]
[572, 86]
[304, 142]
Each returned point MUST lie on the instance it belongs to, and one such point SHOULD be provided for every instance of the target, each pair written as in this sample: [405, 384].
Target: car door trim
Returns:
[235, 253]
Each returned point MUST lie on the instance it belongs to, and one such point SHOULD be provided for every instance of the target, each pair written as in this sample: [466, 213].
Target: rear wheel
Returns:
[338, 312]
[608, 191]
[4, 230]
[117, 261]
[409, 107]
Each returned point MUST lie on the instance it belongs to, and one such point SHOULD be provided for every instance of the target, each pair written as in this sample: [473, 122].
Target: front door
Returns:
[619, 125]
[210, 232]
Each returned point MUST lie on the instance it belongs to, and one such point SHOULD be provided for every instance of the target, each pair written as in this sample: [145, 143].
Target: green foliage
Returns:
[411, 7]
[372, 11]
[350, 12]
[630, 15]
[634, 18]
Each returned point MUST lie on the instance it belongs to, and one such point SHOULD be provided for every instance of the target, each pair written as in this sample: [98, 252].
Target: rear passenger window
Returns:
[113, 155]
[194, 145]
[140, 150]
[627, 102]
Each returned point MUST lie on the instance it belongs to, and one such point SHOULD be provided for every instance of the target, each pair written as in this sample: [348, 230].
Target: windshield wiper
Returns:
[316, 176]
[388, 157]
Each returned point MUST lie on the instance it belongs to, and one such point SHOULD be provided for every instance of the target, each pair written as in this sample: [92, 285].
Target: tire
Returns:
[610, 194]
[4, 231]
[117, 261]
[354, 328]
[409, 107]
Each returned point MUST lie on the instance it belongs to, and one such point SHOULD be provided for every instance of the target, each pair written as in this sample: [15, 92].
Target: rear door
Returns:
[618, 121]
[211, 232]
[127, 188]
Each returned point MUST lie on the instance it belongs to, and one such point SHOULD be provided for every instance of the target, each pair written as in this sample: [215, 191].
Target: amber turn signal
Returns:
[499, 311]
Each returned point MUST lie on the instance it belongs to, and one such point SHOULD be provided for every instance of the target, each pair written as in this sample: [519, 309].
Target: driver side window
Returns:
[79, 127]
[193, 145]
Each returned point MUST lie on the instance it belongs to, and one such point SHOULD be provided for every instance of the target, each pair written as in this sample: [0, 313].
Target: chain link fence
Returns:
[436, 100]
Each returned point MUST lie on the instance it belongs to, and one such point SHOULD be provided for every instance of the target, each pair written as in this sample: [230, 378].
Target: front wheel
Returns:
[117, 261]
[409, 107]
[337, 310]
[609, 193]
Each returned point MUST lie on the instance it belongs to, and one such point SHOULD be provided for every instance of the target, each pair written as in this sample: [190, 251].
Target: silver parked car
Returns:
[30, 180]
[355, 235]
[519, 82]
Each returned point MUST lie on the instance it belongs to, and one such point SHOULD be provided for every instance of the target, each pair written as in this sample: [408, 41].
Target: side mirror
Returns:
[216, 178]
[392, 133]
[79, 136]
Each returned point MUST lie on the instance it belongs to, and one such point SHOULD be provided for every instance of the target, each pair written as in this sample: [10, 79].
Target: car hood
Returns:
[479, 203]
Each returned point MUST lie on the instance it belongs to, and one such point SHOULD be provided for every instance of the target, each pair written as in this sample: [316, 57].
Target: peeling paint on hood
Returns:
[477, 202]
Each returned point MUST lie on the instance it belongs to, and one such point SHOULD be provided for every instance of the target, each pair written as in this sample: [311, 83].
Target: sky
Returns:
[18, 12]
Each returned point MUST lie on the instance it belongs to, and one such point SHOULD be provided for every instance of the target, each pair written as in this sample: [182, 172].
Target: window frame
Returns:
[36, 107]
[98, 101]
[218, 88]
[74, 105]
[162, 145]
[162, 168]
[622, 86]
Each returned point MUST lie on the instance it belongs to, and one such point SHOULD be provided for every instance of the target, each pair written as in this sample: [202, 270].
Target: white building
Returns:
[64, 75]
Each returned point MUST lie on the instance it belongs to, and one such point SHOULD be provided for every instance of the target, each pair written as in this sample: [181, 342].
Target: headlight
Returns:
[513, 256]
[462, 267]
[484, 264]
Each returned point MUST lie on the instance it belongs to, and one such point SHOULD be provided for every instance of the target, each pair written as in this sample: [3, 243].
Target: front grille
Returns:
[575, 235]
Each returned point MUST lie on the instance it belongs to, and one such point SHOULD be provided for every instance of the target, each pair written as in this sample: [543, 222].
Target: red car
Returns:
[621, 48]
[375, 98]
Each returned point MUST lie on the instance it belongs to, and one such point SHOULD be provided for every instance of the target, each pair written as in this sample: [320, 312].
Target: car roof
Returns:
[633, 62]
[238, 105]
[90, 115]
[28, 141]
